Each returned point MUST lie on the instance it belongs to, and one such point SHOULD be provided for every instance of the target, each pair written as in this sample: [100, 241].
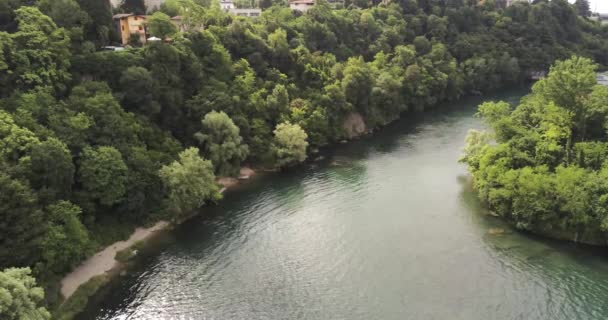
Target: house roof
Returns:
[125, 15]
[302, 2]
[121, 15]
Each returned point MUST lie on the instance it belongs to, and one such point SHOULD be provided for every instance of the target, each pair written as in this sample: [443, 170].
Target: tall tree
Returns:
[160, 25]
[43, 52]
[189, 183]
[582, 8]
[101, 30]
[66, 241]
[134, 6]
[52, 169]
[289, 145]
[221, 141]
[22, 225]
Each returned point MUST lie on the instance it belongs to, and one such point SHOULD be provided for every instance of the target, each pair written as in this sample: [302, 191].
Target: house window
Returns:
[122, 28]
[135, 18]
[141, 28]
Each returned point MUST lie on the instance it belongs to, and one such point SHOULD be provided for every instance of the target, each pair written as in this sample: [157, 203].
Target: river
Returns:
[386, 227]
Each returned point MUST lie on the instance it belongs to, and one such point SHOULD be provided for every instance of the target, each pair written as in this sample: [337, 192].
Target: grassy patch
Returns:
[78, 301]
[127, 254]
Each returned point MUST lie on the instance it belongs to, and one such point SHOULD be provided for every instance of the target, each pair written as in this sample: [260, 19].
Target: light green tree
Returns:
[277, 102]
[15, 141]
[20, 298]
[189, 182]
[221, 141]
[160, 25]
[290, 143]
[43, 51]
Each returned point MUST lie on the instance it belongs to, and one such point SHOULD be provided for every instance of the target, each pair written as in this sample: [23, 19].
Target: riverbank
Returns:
[104, 262]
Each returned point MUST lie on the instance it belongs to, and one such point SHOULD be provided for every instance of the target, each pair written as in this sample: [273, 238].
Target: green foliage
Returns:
[52, 169]
[23, 223]
[160, 25]
[140, 91]
[220, 139]
[583, 8]
[189, 182]
[103, 174]
[19, 296]
[84, 133]
[66, 241]
[42, 52]
[290, 143]
[133, 6]
[536, 175]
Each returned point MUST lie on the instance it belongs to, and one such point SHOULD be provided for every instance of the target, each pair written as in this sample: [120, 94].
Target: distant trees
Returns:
[134, 6]
[583, 8]
[19, 296]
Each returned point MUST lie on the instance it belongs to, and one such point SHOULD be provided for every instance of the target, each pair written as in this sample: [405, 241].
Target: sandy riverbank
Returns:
[104, 261]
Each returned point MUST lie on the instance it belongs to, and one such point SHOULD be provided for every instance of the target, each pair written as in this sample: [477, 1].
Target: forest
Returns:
[94, 142]
[547, 171]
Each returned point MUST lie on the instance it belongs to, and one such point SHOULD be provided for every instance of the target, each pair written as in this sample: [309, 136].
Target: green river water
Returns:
[386, 227]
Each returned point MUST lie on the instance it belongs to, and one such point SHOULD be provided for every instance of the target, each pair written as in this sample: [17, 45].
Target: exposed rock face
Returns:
[354, 125]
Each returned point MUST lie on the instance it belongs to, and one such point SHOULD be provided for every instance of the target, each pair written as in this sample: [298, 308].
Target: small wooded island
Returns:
[548, 171]
[118, 117]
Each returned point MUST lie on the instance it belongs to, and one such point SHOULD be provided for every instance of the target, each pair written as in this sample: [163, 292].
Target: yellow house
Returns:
[129, 24]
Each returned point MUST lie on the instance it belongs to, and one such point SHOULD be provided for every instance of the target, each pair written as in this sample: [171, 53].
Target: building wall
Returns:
[227, 5]
[254, 13]
[131, 25]
[301, 6]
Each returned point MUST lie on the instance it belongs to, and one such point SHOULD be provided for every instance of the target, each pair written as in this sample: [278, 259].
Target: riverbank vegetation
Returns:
[548, 170]
[94, 142]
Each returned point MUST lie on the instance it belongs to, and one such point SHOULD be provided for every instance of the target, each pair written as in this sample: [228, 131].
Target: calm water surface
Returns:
[383, 228]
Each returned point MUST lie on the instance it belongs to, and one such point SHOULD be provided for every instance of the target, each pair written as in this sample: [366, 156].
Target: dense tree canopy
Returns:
[548, 170]
[19, 296]
[94, 142]
[221, 140]
[160, 25]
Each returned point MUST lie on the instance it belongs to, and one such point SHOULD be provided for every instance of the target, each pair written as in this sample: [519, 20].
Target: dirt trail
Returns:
[104, 261]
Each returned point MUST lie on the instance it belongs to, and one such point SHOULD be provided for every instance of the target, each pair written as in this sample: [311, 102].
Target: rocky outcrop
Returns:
[354, 125]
